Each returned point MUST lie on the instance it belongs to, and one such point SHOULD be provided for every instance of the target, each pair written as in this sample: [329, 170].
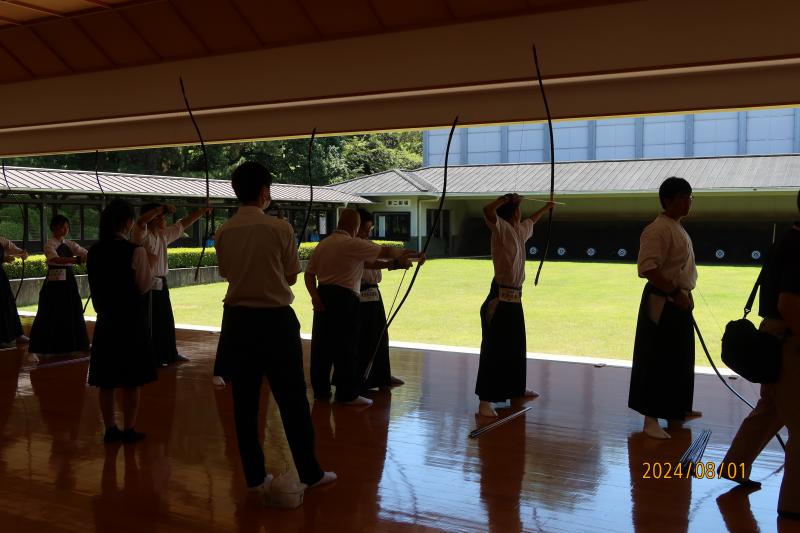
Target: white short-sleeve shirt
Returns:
[256, 253]
[339, 260]
[508, 250]
[155, 243]
[666, 246]
[52, 245]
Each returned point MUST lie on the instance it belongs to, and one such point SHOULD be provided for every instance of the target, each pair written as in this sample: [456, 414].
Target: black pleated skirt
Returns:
[10, 325]
[502, 369]
[662, 375]
[122, 355]
[59, 326]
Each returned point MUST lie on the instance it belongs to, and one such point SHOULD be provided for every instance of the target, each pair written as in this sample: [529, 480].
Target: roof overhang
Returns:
[609, 58]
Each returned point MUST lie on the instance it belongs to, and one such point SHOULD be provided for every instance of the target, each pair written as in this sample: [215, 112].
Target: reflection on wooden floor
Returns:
[573, 463]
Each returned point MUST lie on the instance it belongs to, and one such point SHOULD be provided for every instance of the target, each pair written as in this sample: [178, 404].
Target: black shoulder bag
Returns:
[753, 354]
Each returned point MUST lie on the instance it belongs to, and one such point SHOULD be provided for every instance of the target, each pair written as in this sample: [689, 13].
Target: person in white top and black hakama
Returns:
[153, 233]
[502, 368]
[59, 326]
[662, 375]
[260, 334]
[333, 279]
[121, 357]
[373, 344]
[11, 332]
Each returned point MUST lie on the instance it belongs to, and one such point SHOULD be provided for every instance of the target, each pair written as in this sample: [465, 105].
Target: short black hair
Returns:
[149, 207]
[114, 218]
[247, 180]
[507, 210]
[57, 221]
[365, 215]
[671, 188]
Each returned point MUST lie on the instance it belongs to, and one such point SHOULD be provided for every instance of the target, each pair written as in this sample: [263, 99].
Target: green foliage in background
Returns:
[307, 247]
[36, 266]
[334, 158]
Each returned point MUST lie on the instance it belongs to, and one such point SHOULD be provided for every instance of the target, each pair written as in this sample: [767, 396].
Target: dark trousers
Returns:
[334, 343]
[266, 342]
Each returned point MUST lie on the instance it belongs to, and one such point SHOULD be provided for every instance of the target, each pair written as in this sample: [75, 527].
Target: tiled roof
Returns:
[77, 181]
[735, 173]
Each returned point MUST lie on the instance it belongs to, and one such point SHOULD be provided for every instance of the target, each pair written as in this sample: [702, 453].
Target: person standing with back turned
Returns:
[260, 333]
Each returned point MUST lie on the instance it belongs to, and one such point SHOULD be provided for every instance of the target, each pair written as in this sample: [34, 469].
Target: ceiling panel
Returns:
[163, 27]
[218, 24]
[120, 40]
[75, 46]
[26, 46]
[10, 68]
[412, 13]
[345, 17]
[280, 21]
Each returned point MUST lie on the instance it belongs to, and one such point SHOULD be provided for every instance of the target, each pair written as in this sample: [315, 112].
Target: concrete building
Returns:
[764, 131]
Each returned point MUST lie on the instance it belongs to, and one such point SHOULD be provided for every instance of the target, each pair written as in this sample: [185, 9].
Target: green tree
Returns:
[334, 159]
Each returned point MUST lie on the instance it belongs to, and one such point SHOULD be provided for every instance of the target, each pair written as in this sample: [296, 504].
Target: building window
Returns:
[526, 143]
[572, 140]
[91, 223]
[770, 131]
[10, 223]
[437, 144]
[35, 225]
[716, 134]
[616, 139]
[665, 136]
[393, 226]
[484, 145]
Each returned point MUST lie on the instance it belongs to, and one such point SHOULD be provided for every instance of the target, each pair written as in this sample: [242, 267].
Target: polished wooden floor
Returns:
[572, 463]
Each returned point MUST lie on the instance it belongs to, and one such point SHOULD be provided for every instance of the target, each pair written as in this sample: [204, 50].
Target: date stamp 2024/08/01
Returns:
[707, 470]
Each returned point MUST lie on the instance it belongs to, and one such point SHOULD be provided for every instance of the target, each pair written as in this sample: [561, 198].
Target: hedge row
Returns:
[36, 266]
[307, 247]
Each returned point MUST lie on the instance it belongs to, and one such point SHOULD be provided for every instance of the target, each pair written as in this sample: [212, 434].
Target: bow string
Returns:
[552, 164]
[310, 185]
[208, 184]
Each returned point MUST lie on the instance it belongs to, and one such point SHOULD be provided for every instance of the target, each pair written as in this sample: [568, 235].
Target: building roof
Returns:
[85, 182]
[735, 173]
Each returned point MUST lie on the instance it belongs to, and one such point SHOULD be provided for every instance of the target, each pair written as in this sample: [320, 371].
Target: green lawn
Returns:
[578, 308]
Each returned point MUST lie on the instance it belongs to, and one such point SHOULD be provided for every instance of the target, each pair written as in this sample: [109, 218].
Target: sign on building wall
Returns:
[397, 203]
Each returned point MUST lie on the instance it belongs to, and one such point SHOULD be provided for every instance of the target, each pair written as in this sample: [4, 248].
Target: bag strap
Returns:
[749, 305]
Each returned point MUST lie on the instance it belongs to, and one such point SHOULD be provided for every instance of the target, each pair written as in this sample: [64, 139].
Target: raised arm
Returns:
[490, 209]
[538, 214]
[147, 216]
[193, 217]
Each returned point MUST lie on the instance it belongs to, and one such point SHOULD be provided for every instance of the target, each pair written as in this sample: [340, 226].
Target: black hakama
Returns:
[502, 368]
[121, 352]
[334, 343]
[662, 375]
[59, 326]
[162, 324]
[10, 324]
[373, 340]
